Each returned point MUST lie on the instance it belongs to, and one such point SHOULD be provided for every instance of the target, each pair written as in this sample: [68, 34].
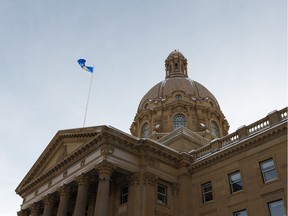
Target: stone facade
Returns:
[177, 171]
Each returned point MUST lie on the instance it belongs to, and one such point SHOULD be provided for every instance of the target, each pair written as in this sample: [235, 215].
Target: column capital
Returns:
[135, 179]
[104, 169]
[149, 179]
[64, 190]
[83, 179]
[48, 199]
[35, 208]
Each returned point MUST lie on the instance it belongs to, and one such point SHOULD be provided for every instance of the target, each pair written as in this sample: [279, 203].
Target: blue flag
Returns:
[87, 68]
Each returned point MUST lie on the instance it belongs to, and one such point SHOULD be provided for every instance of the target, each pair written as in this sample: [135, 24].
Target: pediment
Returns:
[182, 139]
[63, 144]
[64, 149]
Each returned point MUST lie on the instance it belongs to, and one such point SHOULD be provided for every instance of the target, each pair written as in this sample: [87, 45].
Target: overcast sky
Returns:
[235, 48]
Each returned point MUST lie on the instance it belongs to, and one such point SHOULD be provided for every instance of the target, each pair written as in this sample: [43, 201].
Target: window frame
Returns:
[145, 130]
[179, 123]
[273, 202]
[214, 129]
[124, 194]
[264, 172]
[164, 196]
[238, 213]
[232, 191]
[204, 194]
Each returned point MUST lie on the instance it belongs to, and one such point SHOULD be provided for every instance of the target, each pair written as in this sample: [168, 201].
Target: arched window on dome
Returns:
[214, 129]
[179, 121]
[145, 130]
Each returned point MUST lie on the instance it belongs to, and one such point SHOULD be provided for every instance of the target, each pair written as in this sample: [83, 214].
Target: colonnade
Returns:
[46, 206]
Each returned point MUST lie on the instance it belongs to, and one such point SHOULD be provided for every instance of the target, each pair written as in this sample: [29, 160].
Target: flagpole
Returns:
[88, 98]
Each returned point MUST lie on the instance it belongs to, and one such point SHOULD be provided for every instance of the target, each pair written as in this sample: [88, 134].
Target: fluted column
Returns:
[104, 170]
[35, 209]
[64, 192]
[83, 183]
[48, 205]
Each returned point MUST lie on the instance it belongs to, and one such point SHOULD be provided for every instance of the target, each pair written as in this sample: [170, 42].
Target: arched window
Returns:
[179, 121]
[214, 129]
[145, 130]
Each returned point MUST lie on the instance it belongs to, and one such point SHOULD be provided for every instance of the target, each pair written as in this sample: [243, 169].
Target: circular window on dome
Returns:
[178, 97]
[179, 121]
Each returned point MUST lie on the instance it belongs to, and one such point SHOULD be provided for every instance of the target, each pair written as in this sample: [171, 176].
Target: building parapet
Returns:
[241, 133]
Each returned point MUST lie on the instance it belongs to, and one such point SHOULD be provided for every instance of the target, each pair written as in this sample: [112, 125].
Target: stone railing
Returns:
[243, 132]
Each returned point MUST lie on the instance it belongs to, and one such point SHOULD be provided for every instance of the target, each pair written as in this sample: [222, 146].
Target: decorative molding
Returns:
[82, 163]
[65, 173]
[107, 150]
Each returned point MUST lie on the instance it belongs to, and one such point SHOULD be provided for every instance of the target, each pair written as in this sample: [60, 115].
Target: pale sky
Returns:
[235, 48]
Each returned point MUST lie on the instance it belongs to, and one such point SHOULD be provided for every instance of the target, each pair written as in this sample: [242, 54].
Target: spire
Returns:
[176, 65]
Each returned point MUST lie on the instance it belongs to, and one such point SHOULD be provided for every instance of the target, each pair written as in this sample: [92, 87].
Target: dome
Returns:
[178, 101]
[190, 88]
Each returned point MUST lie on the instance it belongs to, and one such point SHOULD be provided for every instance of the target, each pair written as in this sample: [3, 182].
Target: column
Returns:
[91, 203]
[64, 192]
[35, 209]
[48, 205]
[134, 196]
[80, 206]
[104, 170]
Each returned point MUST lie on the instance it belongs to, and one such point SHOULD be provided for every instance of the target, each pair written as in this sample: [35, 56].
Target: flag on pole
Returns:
[87, 68]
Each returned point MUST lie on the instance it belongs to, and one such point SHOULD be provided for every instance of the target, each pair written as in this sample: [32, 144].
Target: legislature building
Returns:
[179, 160]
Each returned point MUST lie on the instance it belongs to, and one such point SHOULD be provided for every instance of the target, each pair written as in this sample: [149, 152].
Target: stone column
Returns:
[134, 195]
[35, 209]
[104, 170]
[64, 192]
[80, 206]
[48, 205]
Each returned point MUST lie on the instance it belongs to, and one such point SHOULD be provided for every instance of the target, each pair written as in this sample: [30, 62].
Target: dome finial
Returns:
[176, 65]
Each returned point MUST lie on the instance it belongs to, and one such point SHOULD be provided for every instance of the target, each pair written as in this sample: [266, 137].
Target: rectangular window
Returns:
[277, 208]
[240, 213]
[268, 170]
[207, 194]
[124, 195]
[162, 194]
[235, 182]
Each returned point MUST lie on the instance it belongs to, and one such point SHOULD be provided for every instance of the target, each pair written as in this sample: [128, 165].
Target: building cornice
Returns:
[275, 124]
